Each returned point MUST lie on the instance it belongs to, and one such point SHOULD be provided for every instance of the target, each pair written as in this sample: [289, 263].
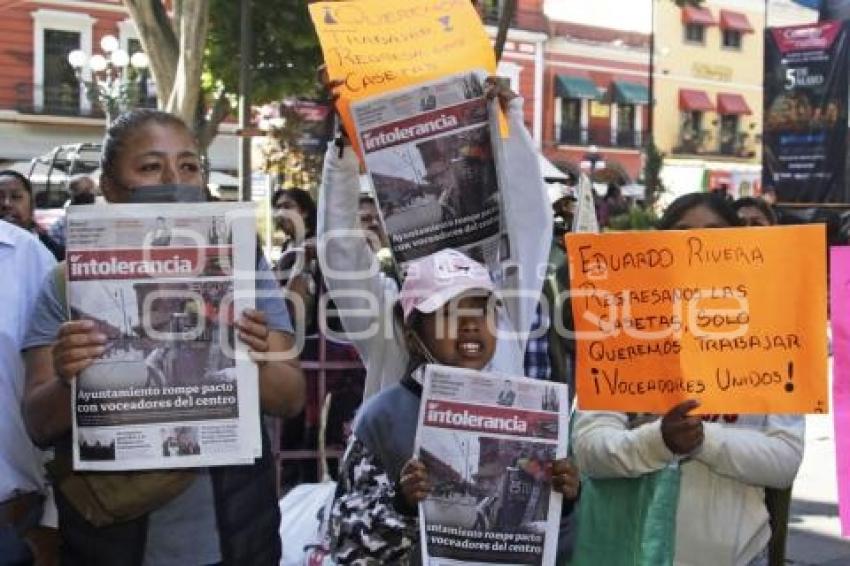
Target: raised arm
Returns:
[351, 270]
[528, 221]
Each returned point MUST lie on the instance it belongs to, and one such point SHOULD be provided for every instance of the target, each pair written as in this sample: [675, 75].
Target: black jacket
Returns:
[247, 515]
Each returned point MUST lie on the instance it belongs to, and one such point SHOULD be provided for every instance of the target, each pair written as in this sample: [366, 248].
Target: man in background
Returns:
[82, 189]
[16, 207]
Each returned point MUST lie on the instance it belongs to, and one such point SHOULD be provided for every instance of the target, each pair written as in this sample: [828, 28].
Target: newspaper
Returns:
[429, 155]
[486, 441]
[585, 219]
[162, 282]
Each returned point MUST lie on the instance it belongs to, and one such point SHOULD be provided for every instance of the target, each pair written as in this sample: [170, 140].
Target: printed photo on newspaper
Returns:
[162, 282]
[487, 441]
[430, 156]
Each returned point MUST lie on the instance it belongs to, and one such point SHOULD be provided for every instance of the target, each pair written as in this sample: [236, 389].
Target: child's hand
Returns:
[682, 433]
[414, 482]
[331, 90]
[565, 478]
[499, 87]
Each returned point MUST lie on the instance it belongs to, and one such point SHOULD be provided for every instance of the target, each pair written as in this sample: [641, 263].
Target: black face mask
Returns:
[167, 193]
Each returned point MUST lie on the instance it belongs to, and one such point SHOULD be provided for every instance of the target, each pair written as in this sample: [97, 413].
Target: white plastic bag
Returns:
[304, 514]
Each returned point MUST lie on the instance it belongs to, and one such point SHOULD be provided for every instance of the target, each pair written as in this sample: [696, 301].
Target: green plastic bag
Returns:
[628, 521]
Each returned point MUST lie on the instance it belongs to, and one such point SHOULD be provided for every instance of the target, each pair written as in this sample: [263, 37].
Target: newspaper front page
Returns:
[487, 441]
[429, 155]
[162, 282]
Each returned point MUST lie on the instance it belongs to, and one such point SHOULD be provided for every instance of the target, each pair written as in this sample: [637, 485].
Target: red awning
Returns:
[699, 16]
[693, 100]
[732, 104]
[735, 21]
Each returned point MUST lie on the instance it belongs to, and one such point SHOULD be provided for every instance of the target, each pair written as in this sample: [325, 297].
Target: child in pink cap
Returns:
[446, 313]
[448, 307]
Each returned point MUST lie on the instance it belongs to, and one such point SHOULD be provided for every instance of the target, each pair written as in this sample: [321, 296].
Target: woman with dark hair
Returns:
[698, 210]
[16, 207]
[298, 272]
[295, 214]
[755, 212]
[223, 515]
[727, 461]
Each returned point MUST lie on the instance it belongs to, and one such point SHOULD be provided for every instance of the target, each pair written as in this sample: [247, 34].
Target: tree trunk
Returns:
[186, 92]
[159, 42]
[175, 49]
[508, 10]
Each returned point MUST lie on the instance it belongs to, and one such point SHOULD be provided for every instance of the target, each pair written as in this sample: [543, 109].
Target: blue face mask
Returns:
[167, 193]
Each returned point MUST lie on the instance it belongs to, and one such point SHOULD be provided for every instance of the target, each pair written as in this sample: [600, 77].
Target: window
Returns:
[731, 39]
[626, 135]
[55, 87]
[571, 121]
[694, 33]
[60, 86]
[729, 134]
[691, 134]
[692, 120]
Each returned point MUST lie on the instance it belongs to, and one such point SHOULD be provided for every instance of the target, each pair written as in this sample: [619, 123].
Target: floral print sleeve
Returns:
[368, 525]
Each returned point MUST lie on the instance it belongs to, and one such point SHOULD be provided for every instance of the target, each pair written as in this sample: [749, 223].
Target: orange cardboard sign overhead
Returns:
[375, 46]
[735, 318]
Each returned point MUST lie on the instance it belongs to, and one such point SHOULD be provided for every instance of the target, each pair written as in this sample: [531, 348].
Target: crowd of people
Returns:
[443, 311]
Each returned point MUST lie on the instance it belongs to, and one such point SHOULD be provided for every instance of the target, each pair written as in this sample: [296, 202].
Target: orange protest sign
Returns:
[735, 318]
[375, 46]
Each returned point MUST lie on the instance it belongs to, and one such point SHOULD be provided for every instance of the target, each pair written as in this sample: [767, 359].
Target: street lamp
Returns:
[110, 84]
[592, 158]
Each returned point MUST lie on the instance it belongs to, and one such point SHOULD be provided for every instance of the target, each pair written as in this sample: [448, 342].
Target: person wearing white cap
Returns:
[447, 306]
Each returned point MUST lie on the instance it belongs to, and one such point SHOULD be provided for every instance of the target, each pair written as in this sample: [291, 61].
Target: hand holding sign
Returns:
[681, 432]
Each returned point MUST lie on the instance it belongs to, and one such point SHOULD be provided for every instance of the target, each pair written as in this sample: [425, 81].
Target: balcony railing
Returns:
[604, 137]
[64, 100]
[703, 142]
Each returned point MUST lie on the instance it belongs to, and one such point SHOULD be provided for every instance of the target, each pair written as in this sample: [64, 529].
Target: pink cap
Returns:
[433, 281]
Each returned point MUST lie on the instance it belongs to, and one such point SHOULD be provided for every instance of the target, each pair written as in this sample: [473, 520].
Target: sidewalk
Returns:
[814, 537]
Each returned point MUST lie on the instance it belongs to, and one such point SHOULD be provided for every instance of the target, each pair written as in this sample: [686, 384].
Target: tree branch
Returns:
[221, 109]
[159, 42]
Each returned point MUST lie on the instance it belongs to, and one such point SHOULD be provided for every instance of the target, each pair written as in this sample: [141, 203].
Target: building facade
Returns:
[708, 85]
[523, 60]
[42, 104]
[596, 100]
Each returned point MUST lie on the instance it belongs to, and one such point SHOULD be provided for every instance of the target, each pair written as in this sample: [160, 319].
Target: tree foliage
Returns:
[195, 54]
[285, 50]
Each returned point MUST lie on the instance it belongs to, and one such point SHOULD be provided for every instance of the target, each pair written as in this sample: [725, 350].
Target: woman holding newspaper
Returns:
[224, 515]
[445, 313]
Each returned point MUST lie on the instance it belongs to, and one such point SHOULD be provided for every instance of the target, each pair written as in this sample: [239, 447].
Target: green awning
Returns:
[624, 92]
[569, 86]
